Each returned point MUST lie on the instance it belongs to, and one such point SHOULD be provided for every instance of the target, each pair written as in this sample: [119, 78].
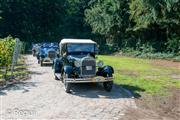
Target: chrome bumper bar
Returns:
[89, 80]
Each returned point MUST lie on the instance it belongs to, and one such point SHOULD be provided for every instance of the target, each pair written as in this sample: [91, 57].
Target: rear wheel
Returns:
[67, 86]
[108, 85]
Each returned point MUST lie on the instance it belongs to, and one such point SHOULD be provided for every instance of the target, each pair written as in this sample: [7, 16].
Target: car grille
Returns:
[88, 72]
[51, 54]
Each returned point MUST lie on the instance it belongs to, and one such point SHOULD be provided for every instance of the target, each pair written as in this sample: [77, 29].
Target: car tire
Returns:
[67, 86]
[41, 63]
[56, 78]
[108, 85]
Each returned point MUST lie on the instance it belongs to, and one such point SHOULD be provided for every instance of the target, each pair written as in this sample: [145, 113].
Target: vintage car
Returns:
[77, 64]
[35, 49]
[47, 54]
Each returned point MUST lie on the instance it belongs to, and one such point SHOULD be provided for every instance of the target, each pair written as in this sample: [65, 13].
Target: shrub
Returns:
[6, 51]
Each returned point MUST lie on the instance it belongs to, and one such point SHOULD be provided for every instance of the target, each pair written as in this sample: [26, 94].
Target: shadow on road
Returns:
[20, 86]
[97, 91]
[36, 73]
[134, 90]
[2, 93]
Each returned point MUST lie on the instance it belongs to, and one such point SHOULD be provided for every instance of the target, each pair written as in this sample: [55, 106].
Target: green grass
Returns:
[15, 73]
[141, 75]
[1, 76]
[19, 70]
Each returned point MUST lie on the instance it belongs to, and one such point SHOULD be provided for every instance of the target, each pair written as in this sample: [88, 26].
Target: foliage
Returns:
[157, 21]
[134, 23]
[148, 53]
[173, 44]
[153, 24]
[43, 20]
[108, 18]
[31, 20]
[75, 26]
[6, 51]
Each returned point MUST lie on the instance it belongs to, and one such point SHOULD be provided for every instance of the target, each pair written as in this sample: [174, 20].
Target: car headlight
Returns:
[77, 63]
[100, 64]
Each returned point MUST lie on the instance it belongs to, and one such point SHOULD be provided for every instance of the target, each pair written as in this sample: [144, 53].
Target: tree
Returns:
[109, 18]
[156, 21]
[32, 20]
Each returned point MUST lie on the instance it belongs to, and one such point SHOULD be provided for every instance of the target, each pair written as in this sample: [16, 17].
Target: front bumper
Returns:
[98, 79]
[47, 61]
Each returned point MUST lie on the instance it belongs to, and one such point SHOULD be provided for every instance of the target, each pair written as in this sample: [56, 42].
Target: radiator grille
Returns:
[88, 63]
[52, 54]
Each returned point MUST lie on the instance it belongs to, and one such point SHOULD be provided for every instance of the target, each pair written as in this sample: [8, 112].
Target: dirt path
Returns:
[42, 97]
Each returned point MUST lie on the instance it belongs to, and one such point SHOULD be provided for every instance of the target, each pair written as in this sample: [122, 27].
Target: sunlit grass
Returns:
[142, 74]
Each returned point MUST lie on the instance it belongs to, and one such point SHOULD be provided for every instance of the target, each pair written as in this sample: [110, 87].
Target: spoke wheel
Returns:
[108, 85]
[67, 86]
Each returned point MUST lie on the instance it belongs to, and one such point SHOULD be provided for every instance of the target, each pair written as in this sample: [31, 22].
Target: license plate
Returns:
[98, 79]
[88, 67]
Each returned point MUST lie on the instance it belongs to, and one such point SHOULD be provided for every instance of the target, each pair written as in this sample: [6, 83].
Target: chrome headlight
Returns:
[100, 64]
[77, 63]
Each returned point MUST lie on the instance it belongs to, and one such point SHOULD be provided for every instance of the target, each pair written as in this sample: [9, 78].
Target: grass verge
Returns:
[19, 70]
[142, 75]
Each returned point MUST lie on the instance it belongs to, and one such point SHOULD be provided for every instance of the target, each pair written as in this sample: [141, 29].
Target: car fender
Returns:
[108, 69]
[68, 69]
[57, 65]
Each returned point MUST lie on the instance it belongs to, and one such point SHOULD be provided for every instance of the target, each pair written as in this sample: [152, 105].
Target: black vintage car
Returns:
[77, 64]
[47, 53]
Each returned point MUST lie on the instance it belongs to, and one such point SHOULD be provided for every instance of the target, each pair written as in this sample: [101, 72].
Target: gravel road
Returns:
[42, 97]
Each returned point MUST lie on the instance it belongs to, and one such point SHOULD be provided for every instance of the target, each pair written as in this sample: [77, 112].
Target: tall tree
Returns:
[109, 18]
[158, 21]
[32, 19]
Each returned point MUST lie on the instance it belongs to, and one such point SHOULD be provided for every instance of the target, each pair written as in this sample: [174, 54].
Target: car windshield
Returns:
[80, 48]
[44, 50]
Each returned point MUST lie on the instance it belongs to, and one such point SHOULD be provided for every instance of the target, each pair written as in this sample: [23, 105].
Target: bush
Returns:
[6, 51]
[176, 59]
[147, 53]
[173, 44]
[108, 49]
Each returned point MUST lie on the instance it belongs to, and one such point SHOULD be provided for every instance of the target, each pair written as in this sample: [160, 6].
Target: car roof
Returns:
[64, 41]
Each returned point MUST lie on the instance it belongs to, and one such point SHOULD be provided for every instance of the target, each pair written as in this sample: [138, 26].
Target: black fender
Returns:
[108, 70]
[105, 70]
[68, 69]
[57, 65]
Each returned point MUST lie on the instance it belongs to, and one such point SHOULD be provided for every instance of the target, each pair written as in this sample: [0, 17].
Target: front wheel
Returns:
[41, 62]
[56, 78]
[108, 86]
[67, 86]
